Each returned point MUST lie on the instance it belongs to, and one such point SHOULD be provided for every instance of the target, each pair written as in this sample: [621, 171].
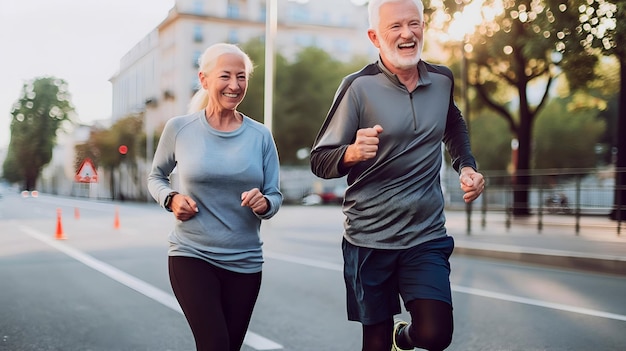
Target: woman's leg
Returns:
[197, 288]
[239, 293]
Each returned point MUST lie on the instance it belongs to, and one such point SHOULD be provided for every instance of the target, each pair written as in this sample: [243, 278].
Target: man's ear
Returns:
[373, 37]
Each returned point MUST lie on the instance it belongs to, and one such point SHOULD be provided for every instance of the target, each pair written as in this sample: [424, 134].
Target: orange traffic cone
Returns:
[116, 221]
[76, 213]
[59, 234]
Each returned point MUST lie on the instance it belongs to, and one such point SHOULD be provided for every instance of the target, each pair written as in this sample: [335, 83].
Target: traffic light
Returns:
[123, 149]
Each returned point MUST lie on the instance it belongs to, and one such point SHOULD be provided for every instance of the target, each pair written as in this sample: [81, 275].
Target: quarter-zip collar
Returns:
[423, 80]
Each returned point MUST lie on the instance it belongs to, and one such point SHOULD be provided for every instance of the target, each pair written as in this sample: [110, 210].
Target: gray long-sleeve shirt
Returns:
[214, 168]
[394, 200]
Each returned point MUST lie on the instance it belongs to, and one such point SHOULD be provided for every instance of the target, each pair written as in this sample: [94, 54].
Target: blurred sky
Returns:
[80, 41]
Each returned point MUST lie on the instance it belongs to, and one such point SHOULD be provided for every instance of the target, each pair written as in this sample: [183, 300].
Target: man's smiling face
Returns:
[400, 34]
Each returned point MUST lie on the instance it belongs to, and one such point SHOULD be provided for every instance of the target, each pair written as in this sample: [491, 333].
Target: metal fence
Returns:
[564, 196]
[577, 193]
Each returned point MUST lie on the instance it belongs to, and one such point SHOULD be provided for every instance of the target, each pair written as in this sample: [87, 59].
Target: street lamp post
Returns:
[270, 36]
[123, 150]
[463, 24]
[465, 78]
[466, 113]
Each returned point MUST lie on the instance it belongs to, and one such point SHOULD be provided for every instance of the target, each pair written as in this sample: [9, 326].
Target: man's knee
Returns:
[430, 337]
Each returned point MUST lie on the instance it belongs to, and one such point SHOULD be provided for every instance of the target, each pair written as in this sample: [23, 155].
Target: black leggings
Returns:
[217, 303]
[430, 329]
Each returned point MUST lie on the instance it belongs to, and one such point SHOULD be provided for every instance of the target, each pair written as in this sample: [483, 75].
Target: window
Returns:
[195, 85]
[326, 18]
[196, 57]
[299, 13]
[198, 7]
[233, 10]
[263, 12]
[197, 34]
[345, 21]
[233, 36]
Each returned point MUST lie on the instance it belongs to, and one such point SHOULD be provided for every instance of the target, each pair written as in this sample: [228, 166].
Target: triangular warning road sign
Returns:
[87, 172]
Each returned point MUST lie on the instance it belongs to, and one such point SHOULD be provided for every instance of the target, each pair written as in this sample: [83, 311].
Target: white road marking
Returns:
[253, 340]
[540, 303]
[463, 289]
[304, 261]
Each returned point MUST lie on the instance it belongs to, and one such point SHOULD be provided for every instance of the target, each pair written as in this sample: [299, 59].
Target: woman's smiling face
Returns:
[227, 83]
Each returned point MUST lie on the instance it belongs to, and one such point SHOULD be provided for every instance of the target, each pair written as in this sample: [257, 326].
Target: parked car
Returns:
[33, 193]
[328, 196]
[311, 199]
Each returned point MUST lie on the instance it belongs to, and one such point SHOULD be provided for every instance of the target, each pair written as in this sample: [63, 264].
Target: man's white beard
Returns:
[396, 59]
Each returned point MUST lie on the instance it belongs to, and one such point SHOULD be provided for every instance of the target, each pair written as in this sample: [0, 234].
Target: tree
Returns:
[254, 101]
[41, 111]
[602, 27]
[303, 92]
[604, 90]
[305, 99]
[490, 136]
[567, 131]
[519, 46]
[103, 148]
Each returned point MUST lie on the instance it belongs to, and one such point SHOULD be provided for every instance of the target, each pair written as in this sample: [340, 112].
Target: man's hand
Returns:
[365, 146]
[472, 183]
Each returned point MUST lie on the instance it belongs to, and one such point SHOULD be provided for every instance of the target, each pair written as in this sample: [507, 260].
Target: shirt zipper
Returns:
[413, 111]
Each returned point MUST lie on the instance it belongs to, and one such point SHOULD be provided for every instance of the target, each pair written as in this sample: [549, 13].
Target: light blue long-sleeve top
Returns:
[214, 168]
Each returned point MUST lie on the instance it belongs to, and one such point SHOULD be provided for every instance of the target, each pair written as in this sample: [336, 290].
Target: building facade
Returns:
[158, 76]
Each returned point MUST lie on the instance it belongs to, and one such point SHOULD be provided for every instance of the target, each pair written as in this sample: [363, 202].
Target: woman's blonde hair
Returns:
[207, 62]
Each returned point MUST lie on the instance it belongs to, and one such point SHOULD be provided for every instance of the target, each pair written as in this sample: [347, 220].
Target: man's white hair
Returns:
[373, 11]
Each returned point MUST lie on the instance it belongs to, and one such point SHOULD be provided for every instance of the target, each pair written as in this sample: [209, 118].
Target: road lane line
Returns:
[253, 340]
[462, 289]
[540, 303]
[304, 261]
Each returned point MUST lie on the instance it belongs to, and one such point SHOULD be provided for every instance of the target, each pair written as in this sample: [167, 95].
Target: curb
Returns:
[554, 258]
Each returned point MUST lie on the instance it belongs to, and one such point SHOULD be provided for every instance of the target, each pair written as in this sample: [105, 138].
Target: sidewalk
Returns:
[596, 247]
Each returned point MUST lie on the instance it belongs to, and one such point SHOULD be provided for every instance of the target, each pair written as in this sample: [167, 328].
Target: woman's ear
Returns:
[203, 80]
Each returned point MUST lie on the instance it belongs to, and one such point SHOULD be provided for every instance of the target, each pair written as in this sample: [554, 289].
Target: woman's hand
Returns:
[184, 207]
[255, 200]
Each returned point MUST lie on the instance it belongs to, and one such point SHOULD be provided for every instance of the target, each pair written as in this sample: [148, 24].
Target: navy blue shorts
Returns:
[376, 279]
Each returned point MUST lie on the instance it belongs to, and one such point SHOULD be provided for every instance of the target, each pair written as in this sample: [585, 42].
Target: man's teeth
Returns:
[406, 45]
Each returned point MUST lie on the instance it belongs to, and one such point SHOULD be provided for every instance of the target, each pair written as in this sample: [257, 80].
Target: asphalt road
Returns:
[106, 288]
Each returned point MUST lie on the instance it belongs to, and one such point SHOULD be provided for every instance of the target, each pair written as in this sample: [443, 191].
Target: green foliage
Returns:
[601, 96]
[103, 148]
[522, 47]
[11, 167]
[103, 144]
[568, 131]
[491, 142]
[252, 105]
[305, 99]
[41, 111]
[303, 92]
